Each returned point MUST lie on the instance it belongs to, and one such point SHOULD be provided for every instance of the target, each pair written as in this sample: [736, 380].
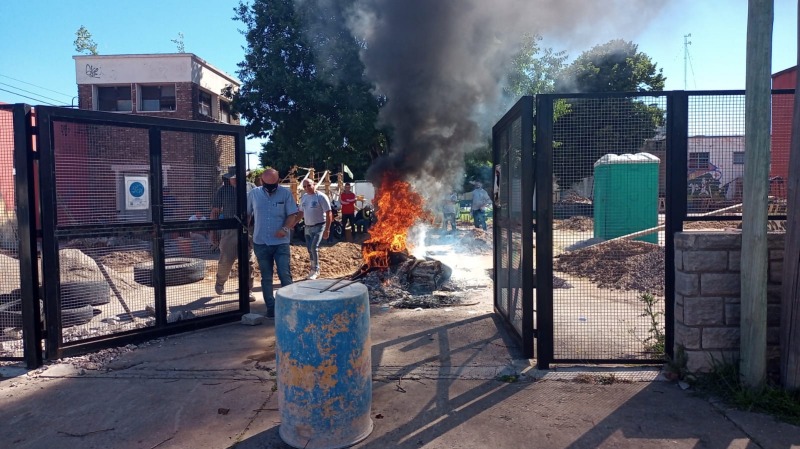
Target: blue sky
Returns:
[36, 47]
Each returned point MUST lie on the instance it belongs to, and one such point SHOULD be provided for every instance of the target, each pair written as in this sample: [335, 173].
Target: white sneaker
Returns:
[313, 274]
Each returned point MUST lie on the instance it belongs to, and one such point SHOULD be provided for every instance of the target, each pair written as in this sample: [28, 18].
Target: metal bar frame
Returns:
[51, 232]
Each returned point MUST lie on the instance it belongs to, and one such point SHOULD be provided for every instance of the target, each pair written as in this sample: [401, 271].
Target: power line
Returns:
[34, 85]
[30, 98]
[27, 91]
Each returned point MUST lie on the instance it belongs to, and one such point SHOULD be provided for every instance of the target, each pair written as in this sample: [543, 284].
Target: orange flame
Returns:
[398, 208]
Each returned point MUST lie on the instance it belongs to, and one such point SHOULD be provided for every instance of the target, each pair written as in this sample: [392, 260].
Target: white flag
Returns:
[347, 170]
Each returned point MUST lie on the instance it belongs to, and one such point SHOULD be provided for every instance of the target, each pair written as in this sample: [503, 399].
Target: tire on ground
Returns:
[179, 271]
[76, 316]
[76, 294]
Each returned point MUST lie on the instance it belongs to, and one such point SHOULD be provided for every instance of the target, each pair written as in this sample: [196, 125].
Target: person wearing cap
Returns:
[348, 201]
[480, 199]
[223, 205]
[315, 209]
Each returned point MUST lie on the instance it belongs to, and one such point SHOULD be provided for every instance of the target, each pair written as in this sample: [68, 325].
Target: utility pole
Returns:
[753, 275]
[790, 305]
[686, 44]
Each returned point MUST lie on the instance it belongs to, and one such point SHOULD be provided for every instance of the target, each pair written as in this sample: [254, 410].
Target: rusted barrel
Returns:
[324, 363]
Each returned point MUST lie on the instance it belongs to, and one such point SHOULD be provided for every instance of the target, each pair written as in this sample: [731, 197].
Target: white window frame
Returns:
[210, 112]
[96, 98]
[140, 101]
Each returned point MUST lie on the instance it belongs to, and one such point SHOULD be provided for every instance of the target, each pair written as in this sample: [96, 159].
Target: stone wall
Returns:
[707, 296]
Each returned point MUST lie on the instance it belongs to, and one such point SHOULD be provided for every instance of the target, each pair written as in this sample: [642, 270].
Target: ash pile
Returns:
[410, 283]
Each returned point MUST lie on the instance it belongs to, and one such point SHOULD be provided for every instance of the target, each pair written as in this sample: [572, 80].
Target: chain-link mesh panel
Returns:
[781, 139]
[509, 219]
[199, 186]
[608, 297]
[103, 285]
[10, 299]
[715, 159]
[101, 174]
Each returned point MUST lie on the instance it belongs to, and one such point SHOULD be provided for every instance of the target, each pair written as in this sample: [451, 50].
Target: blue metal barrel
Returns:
[324, 363]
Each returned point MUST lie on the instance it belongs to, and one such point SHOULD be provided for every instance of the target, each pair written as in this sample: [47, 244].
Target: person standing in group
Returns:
[348, 201]
[223, 205]
[480, 199]
[274, 213]
[315, 209]
[449, 211]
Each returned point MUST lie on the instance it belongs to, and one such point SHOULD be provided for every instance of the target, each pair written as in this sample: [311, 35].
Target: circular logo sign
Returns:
[136, 189]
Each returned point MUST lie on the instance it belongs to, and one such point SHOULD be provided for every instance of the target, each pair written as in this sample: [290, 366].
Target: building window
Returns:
[205, 104]
[114, 98]
[224, 112]
[699, 161]
[157, 98]
[738, 157]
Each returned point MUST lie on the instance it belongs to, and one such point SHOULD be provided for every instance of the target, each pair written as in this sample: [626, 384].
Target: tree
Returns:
[178, 41]
[84, 42]
[593, 127]
[616, 66]
[303, 87]
[533, 70]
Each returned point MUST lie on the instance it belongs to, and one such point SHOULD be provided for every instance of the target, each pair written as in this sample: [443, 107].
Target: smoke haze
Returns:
[441, 64]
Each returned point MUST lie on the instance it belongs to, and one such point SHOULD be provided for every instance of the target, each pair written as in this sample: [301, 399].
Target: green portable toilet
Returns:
[626, 195]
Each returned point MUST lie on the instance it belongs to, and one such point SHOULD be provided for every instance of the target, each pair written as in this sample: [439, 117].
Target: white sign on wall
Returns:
[137, 193]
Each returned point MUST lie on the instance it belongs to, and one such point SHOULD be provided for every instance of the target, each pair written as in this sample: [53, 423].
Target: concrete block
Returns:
[776, 254]
[704, 361]
[719, 240]
[704, 311]
[774, 336]
[774, 293]
[719, 284]
[713, 261]
[773, 315]
[776, 272]
[252, 319]
[721, 338]
[679, 318]
[732, 314]
[734, 261]
[687, 336]
[687, 284]
[678, 259]
[678, 299]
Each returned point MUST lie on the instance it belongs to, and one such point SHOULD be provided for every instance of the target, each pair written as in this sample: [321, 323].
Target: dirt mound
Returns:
[475, 241]
[619, 265]
[336, 260]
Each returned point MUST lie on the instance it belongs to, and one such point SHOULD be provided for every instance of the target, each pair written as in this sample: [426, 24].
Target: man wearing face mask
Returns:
[274, 213]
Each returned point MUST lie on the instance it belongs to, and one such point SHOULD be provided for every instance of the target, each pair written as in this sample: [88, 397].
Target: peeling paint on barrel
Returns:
[323, 352]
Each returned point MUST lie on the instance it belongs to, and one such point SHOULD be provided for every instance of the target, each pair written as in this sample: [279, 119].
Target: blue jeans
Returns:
[268, 256]
[479, 217]
[313, 239]
[451, 220]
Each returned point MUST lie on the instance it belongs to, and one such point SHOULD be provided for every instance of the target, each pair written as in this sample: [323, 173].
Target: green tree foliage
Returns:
[593, 127]
[84, 42]
[534, 70]
[303, 87]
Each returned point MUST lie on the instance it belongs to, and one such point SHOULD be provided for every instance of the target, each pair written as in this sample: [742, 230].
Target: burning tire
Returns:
[178, 270]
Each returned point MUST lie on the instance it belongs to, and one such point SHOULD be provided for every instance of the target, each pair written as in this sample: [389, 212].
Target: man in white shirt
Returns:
[315, 209]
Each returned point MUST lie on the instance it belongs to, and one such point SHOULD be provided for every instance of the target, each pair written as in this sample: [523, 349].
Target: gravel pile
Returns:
[575, 223]
[618, 265]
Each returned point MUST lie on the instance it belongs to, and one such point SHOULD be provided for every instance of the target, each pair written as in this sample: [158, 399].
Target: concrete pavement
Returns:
[441, 379]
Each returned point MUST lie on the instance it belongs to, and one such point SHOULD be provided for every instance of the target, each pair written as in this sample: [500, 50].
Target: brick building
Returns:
[95, 163]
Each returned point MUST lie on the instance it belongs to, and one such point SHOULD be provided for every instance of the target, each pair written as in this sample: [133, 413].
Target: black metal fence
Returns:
[125, 245]
[611, 178]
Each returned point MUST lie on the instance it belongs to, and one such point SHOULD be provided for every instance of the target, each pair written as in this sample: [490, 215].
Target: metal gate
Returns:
[124, 250]
[586, 275]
